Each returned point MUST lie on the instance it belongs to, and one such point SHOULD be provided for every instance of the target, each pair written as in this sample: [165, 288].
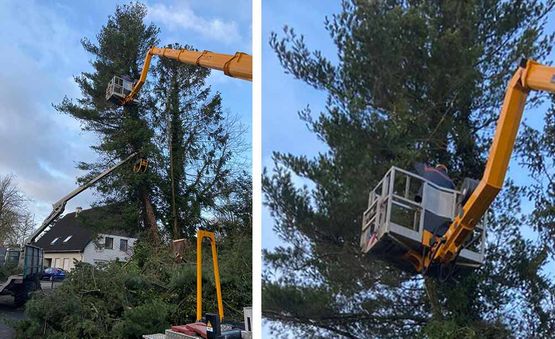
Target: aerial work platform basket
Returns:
[405, 211]
[118, 89]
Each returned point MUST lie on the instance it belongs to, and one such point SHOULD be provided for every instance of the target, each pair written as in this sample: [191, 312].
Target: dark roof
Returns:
[80, 227]
[67, 226]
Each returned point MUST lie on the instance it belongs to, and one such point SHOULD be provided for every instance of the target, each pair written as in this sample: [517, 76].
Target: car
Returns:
[53, 273]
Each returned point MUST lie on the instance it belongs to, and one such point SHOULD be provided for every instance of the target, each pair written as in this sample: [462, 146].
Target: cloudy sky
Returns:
[40, 53]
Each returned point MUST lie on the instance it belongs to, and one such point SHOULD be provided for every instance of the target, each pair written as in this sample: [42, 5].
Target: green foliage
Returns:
[449, 329]
[235, 257]
[145, 295]
[415, 81]
[150, 317]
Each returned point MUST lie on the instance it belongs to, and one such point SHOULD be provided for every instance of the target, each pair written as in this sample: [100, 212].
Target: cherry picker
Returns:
[397, 224]
[122, 91]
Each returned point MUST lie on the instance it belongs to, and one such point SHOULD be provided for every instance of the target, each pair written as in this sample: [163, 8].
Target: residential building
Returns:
[72, 239]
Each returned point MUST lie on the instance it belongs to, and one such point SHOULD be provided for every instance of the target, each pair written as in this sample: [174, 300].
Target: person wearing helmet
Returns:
[436, 223]
[437, 175]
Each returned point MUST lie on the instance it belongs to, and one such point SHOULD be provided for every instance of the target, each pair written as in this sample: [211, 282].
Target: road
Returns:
[8, 312]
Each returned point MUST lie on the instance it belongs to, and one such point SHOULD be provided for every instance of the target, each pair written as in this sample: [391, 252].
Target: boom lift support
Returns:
[59, 206]
[473, 200]
[122, 91]
[201, 234]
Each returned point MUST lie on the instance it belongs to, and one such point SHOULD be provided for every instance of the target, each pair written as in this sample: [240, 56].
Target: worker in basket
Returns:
[437, 175]
[434, 222]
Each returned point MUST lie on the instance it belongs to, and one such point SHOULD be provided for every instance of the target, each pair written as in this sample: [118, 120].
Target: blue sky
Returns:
[40, 54]
[283, 96]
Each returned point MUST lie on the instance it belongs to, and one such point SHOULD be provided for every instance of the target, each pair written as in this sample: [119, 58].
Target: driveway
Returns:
[8, 312]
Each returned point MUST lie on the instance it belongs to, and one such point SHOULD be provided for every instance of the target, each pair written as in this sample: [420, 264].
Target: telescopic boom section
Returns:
[530, 76]
[236, 66]
[59, 206]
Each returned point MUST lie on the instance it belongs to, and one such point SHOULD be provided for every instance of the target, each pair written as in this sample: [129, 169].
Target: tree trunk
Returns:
[431, 292]
[149, 218]
[175, 228]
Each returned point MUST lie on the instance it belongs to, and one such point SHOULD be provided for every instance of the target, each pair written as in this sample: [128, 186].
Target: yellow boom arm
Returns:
[530, 76]
[236, 66]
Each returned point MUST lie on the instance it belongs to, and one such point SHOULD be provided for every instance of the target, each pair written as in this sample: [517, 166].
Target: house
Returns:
[72, 238]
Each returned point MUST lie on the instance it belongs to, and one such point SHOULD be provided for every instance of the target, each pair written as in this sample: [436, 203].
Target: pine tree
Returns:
[120, 50]
[415, 81]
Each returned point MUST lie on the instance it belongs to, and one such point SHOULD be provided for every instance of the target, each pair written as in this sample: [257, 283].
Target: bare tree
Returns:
[22, 230]
[15, 219]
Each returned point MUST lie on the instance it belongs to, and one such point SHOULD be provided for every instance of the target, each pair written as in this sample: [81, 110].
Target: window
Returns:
[67, 239]
[108, 243]
[57, 262]
[54, 241]
[123, 245]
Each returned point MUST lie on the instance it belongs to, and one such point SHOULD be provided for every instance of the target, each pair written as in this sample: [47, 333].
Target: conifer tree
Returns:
[119, 50]
[415, 81]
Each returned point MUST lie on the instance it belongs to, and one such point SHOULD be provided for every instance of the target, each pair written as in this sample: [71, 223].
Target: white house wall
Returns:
[93, 255]
[59, 262]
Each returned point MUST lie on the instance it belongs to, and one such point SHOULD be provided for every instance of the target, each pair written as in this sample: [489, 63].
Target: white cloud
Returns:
[39, 52]
[183, 16]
